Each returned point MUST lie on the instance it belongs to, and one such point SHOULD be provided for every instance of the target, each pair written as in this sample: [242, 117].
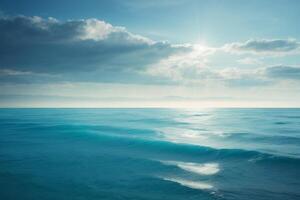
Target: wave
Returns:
[201, 115]
[272, 139]
[201, 169]
[147, 140]
[101, 129]
[290, 116]
[191, 184]
[204, 154]
[281, 123]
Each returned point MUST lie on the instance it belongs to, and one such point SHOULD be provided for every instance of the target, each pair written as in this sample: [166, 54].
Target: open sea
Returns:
[149, 154]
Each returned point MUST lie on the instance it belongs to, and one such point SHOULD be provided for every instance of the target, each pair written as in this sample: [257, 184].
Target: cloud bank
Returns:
[33, 45]
[283, 72]
[38, 50]
[275, 46]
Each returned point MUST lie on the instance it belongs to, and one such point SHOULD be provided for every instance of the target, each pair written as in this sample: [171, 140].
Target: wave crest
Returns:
[201, 169]
[191, 184]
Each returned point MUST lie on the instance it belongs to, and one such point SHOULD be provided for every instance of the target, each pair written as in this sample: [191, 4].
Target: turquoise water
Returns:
[149, 154]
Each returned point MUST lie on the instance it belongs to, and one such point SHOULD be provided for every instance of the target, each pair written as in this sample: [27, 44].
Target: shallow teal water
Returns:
[149, 154]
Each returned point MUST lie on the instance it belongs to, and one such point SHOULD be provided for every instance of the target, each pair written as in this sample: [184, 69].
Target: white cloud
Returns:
[250, 61]
[264, 46]
[97, 30]
[9, 72]
[94, 29]
[184, 66]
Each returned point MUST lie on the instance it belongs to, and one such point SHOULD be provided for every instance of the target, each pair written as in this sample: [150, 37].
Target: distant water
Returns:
[149, 154]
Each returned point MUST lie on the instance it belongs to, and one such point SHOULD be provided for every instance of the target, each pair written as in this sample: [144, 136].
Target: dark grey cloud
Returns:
[264, 46]
[283, 72]
[76, 49]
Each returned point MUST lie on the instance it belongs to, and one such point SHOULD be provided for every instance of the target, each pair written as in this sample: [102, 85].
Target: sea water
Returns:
[149, 154]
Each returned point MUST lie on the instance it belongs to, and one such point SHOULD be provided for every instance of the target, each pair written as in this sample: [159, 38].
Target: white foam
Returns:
[192, 137]
[180, 134]
[191, 184]
[202, 169]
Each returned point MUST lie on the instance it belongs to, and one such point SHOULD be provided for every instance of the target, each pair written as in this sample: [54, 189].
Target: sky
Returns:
[159, 53]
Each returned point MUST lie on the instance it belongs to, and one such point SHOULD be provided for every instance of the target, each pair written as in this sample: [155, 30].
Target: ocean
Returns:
[149, 154]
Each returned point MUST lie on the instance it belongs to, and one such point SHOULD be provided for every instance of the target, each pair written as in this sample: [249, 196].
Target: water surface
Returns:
[150, 154]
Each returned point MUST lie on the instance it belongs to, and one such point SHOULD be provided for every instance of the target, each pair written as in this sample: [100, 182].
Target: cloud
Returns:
[264, 46]
[88, 49]
[196, 70]
[14, 76]
[8, 72]
[186, 66]
[38, 50]
[250, 61]
[283, 72]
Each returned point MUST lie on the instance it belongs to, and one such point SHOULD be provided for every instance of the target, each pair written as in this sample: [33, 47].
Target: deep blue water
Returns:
[149, 154]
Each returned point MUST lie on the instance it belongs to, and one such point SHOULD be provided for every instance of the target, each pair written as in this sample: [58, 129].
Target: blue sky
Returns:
[150, 53]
